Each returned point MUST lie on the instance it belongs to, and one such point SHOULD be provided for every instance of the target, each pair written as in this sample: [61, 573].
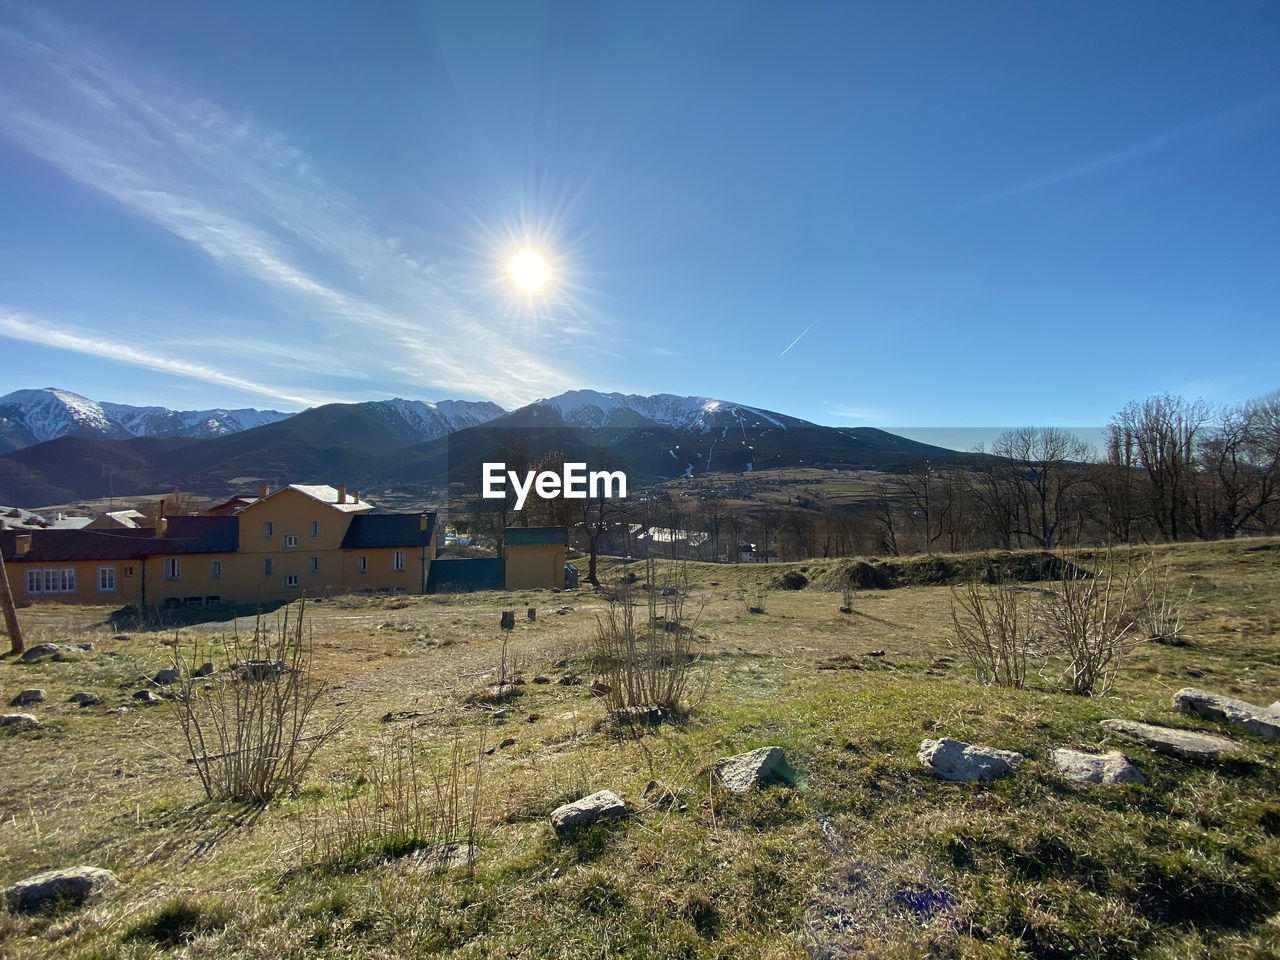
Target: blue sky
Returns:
[969, 214]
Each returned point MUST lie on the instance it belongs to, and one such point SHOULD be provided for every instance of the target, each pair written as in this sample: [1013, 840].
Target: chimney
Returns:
[422, 523]
[263, 490]
[342, 493]
[22, 545]
[355, 496]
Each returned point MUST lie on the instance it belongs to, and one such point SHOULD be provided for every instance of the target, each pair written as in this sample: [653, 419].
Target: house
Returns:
[300, 539]
[15, 518]
[128, 519]
[535, 557]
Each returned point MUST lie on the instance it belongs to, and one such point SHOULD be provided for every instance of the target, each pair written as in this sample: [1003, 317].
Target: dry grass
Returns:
[1025, 867]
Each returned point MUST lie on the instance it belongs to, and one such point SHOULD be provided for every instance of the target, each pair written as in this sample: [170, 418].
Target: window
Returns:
[128, 570]
[397, 560]
[51, 580]
[173, 568]
[290, 541]
[290, 579]
[315, 528]
[106, 579]
[315, 564]
[215, 569]
[362, 564]
[266, 530]
[268, 566]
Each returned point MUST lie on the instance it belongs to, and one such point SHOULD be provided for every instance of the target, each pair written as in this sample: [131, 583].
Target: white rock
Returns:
[752, 769]
[18, 720]
[1096, 767]
[1181, 743]
[953, 760]
[1260, 721]
[604, 805]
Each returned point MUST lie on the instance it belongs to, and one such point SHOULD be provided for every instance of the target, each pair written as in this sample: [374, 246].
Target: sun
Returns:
[529, 271]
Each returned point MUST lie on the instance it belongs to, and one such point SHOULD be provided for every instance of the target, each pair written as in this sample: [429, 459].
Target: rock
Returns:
[86, 647]
[604, 805]
[846, 609]
[953, 760]
[121, 636]
[664, 797]
[488, 751]
[500, 691]
[40, 651]
[21, 720]
[1180, 743]
[533, 718]
[167, 675]
[1096, 767]
[541, 679]
[874, 653]
[53, 888]
[85, 699]
[444, 856]
[599, 688]
[562, 611]
[25, 697]
[146, 696]
[1260, 721]
[258, 669]
[752, 769]
[205, 670]
[568, 680]
[500, 714]
[507, 742]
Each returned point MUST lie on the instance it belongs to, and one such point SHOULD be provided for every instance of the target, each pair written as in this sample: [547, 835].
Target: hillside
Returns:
[856, 849]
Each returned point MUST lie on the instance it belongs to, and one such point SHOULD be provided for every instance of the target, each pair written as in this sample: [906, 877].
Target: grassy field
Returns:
[865, 853]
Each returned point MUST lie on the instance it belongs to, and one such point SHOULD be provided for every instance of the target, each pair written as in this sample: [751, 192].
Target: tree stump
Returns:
[532, 615]
[508, 619]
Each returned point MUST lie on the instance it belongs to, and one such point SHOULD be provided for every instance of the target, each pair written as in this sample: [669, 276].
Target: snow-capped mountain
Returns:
[591, 410]
[33, 416]
[421, 421]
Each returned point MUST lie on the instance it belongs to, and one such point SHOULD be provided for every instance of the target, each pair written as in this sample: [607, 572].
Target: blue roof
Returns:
[524, 536]
[371, 530]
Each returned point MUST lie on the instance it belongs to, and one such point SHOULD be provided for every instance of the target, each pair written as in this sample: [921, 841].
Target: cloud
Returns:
[855, 416]
[18, 326]
[257, 206]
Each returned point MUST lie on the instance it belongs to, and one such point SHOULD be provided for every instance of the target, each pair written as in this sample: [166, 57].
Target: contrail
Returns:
[797, 339]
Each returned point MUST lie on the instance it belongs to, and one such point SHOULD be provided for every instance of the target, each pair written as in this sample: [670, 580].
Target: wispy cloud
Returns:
[258, 207]
[18, 326]
[846, 415]
[1219, 124]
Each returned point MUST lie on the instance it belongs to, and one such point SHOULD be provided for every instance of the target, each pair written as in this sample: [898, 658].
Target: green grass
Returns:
[865, 855]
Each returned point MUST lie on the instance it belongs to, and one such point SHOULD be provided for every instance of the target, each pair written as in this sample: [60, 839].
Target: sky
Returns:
[899, 215]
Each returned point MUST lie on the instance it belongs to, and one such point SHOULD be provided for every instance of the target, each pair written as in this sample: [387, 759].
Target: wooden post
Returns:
[508, 620]
[532, 614]
[10, 612]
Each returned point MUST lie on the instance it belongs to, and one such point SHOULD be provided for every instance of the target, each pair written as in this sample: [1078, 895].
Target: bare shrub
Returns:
[252, 727]
[1160, 603]
[993, 625]
[756, 598]
[847, 595]
[1090, 621]
[404, 802]
[643, 648]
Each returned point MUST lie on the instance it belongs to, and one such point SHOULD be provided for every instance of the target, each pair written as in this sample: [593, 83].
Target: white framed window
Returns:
[290, 541]
[128, 570]
[315, 564]
[267, 530]
[315, 528]
[173, 568]
[51, 580]
[215, 569]
[268, 566]
[106, 579]
[397, 560]
[290, 580]
[362, 564]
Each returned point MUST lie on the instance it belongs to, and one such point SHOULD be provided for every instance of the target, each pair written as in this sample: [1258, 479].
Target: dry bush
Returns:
[252, 727]
[1160, 603]
[756, 598]
[643, 647]
[993, 625]
[847, 595]
[403, 802]
[1090, 620]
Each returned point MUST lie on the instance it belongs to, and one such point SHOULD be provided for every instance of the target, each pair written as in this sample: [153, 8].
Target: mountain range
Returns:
[62, 446]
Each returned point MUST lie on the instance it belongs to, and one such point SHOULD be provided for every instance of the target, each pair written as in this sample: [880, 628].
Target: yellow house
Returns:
[535, 557]
[311, 539]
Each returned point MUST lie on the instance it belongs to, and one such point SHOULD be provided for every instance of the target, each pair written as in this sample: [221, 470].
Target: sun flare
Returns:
[529, 271]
